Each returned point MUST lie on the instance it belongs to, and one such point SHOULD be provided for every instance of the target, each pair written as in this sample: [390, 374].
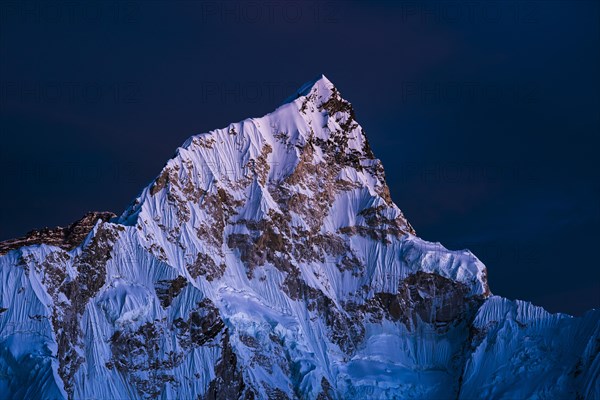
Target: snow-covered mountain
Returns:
[267, 260]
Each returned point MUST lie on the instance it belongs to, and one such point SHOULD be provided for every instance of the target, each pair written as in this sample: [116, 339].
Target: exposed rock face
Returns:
[66, 238]
[268, 260]
[429, 298]
[229, 382]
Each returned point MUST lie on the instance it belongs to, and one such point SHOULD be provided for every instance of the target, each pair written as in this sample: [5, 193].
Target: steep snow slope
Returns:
[267, 260]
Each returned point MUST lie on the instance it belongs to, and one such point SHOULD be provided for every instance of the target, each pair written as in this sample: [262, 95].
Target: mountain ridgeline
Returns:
[267, 260]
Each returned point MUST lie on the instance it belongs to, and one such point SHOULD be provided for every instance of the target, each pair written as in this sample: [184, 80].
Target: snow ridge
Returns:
[268, 260]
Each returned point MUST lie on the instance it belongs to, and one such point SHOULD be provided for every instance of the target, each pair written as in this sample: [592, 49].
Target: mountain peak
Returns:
[268, 260]
[307, 164]
[320, 85]
[312, 144]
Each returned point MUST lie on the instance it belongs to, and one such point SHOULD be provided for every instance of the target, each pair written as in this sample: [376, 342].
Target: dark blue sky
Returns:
[485, 114]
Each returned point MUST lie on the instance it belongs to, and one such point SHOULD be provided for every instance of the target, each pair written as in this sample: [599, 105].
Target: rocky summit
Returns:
[267, 260]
